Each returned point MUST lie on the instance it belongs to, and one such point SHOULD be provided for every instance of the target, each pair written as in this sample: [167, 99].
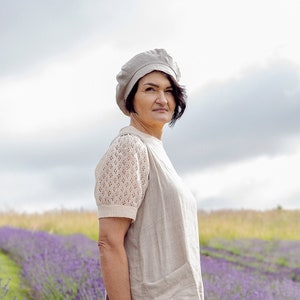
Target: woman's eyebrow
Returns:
[152, 84]
[155, 85]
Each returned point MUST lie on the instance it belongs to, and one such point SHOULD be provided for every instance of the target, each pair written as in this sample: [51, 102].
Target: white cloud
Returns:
[63, 94]
[260, 183]
[57, 94]
[38, 191]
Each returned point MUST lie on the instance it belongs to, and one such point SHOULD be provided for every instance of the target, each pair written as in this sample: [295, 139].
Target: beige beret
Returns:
[140, 65]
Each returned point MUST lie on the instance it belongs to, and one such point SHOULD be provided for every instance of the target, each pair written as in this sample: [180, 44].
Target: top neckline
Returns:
[132, 129]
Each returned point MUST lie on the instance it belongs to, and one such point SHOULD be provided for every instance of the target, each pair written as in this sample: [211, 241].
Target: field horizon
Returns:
[281, 224]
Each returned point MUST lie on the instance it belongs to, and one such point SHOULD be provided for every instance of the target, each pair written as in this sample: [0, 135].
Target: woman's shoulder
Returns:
[128, 139]
[126, 144]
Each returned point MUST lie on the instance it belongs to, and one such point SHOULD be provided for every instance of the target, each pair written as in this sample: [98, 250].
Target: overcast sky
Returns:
[238, 143]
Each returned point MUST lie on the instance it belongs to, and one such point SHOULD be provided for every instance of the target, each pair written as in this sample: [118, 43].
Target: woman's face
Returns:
[154, 102]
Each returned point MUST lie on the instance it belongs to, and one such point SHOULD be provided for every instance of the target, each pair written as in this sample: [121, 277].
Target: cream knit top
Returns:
[135, 179]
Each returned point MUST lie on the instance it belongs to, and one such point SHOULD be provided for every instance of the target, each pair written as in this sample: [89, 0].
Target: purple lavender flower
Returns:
[67, 267]
[55, 267]
[251, 269]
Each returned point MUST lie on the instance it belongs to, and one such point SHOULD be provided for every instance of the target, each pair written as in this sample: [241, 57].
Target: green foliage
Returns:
[282, 261]
[10, 283]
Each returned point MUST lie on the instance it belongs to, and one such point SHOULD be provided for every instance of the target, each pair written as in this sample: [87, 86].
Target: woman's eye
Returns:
[149, 89]
[169, 91]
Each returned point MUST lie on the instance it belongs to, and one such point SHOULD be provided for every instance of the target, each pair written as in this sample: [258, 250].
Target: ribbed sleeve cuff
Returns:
[118, 211]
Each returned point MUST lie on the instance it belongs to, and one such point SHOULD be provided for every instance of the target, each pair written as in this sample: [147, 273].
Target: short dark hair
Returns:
[179, 94]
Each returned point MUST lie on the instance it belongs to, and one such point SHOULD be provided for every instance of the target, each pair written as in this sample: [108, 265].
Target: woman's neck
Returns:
[155, 131]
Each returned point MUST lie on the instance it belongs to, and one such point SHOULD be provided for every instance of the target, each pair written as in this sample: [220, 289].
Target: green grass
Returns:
[277, 224]
[10, 277]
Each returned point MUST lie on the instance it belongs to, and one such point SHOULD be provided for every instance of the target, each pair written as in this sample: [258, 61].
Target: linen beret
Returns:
[140, 65]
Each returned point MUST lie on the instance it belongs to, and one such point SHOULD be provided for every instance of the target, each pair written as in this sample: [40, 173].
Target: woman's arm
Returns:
[114, 264]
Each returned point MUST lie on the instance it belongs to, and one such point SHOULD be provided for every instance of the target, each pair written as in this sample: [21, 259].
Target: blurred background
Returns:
[237, 145]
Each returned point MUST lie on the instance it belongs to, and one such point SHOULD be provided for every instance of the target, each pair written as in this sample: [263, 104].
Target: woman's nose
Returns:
[161, 98]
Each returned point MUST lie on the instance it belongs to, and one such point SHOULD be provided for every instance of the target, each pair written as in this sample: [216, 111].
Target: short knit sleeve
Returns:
[122, 178]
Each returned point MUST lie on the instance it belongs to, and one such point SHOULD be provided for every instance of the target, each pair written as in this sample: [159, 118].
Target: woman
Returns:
[148, 230]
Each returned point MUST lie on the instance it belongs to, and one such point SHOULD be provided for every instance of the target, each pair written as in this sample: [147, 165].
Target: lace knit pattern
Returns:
[122, 173]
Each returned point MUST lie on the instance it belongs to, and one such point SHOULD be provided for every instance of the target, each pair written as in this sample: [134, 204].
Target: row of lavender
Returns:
[256, 274]
[57, 267]
[53, 266]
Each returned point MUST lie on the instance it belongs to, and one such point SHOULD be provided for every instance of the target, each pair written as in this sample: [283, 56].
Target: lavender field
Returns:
[54, 266]
[67, 267]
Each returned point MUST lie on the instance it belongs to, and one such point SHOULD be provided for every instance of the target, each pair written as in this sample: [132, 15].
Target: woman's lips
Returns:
[160, 109]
